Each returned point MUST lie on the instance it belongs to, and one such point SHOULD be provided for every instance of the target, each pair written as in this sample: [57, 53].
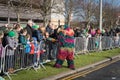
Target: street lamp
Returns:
[100, 47]
[9, 12]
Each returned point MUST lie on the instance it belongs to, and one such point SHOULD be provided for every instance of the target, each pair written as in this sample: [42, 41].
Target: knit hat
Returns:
[103, 31]
[35, 26]
[11, 34]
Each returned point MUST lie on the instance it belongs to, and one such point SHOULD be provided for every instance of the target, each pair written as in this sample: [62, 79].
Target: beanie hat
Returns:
[103, 31]
[11, 34]
[35, 26]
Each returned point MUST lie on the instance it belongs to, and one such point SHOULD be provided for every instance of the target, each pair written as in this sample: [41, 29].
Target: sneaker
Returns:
[47, 60]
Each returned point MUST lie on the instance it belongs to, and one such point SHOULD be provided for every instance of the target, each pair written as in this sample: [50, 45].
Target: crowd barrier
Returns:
[13, 60]
[84, 45]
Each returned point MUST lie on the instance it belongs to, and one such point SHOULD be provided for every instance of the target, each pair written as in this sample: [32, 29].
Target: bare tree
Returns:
[18, 6]
[69, 9]
[44, 7]
[87, 9]
[110, 10]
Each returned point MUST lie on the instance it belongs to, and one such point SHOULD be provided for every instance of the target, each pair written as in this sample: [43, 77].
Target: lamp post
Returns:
[9, 12]
[100, 24]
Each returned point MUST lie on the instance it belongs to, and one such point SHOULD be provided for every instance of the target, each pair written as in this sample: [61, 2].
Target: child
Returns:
[32, 51]
[48, 42]
[36, 50]
[22, 38]
[27, 49]
[12, 44]
[23, 41]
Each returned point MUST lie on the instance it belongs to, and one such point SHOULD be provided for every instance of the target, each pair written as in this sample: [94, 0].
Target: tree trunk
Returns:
[8, 16]
[68, 19]
[18, 17]
[44, 21]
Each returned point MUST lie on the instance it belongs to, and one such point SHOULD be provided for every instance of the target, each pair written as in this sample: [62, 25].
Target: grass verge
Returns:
[80, 61]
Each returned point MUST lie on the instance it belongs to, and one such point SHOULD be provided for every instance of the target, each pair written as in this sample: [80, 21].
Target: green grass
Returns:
[80, 61]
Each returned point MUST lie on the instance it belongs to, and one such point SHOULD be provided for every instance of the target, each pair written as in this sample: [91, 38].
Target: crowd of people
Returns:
[55, 42]
[93, 32]
[110, 37]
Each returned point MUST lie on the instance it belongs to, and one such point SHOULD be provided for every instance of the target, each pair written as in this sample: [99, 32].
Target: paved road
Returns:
[111, 72]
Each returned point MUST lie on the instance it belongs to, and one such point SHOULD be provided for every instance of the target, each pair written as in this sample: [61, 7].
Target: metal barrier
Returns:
[83, 45]
[16, 59]
[1, 60]
[79, 45]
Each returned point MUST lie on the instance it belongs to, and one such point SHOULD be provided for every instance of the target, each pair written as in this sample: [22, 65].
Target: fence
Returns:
[13, 60]
[83, 45]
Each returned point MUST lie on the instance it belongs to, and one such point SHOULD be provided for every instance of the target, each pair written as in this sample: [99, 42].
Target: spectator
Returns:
[29, 28]
[12, 46]
[22, 38]
[36, 51]
[49, 42]
[17, 28]
[27, 50]
[23, 41]
[32, 51]
[54, 44]
[37, 33]
[51, 30]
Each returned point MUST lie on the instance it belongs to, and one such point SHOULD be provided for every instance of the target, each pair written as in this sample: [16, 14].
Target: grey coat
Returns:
[12, 44]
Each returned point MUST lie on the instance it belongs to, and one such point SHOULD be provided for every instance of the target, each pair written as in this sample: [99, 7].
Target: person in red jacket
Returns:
[31, 56]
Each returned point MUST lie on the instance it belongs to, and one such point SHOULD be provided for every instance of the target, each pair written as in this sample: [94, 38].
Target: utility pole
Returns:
[9, 12]
[100, 24]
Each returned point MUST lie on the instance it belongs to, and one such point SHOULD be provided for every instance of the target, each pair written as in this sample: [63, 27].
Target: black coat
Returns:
[29, 30]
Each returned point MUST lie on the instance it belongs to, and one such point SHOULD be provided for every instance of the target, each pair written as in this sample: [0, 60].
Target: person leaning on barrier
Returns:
[17, 28]
[36, 51]
[27, 50]
[50, 30]
[49, 41]
[54, 42]
[12, 44]
[23, 41]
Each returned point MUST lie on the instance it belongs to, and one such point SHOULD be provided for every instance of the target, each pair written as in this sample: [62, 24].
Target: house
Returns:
[8, 14]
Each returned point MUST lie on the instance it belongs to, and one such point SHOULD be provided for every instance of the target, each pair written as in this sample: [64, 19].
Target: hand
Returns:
[53, 40]
[14, 48]
[44, 50]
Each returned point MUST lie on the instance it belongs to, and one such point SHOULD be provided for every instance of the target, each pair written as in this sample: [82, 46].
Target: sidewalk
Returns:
[79, 69]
